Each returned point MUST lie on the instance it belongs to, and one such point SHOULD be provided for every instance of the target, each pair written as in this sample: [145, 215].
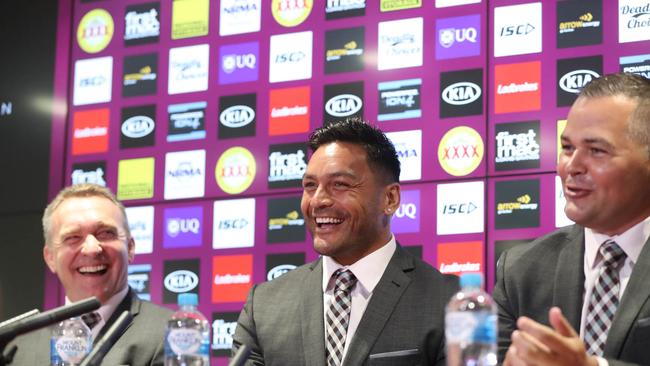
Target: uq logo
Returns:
[343, 105]
[461, 93]
[449, 36]
[237, 116]
[177, 226]
[232, 62]
[408, 210]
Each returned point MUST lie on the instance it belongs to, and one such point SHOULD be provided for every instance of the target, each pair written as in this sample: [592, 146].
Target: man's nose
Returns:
[91, 246]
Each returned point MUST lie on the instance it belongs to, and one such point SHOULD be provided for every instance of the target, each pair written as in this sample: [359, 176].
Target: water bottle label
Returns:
[486, 330]
[184, 341]
[69, 349]
[459, 326]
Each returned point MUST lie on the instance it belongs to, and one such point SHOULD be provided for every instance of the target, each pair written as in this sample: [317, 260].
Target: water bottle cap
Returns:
[188, 299]
[471, 279]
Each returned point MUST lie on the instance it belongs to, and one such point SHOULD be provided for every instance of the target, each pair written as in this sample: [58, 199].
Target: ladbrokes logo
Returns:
[573, 74]
[579, 23]
[336, 9]
[279, 264]
[184, 174]
[407, 216]
[460, 208]
[342, 101]
[285, 221]
[458, 37]
[140, 75]
[408, 145]
[141, 226]
[516, 204]
[141, 24]
[400, 44]
[639, 65]
[399, 99]
[234, 223]
[517, 145]
[239, 62]
[517, 87]
[460, 151]
[239, 16]
[290, 13]
[180, 276]
[237, 116]
[633, 20]
[289, 110]
[461, 93]
[90, 131]
[287, 165]
[138, 126]
[344, 50]
[95, 30]
[232, 277]
[456, 258]
[235, 170]
[92, 172]
[186, 121]
[223, 329]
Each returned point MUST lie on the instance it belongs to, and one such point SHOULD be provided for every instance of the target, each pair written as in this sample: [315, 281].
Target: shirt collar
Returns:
[368, 270]
[107, 309]
[631, 241]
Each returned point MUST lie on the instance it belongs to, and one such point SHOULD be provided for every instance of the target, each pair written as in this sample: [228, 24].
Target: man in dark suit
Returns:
[88, 245]
[366, 301]
[579, 296]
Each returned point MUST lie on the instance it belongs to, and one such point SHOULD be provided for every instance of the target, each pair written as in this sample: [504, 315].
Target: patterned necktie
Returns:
[338, 316]
[604, 298]
[91, 319]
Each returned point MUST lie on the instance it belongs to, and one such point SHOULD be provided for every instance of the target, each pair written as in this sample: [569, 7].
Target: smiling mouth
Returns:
[322, 222]
[93, 270]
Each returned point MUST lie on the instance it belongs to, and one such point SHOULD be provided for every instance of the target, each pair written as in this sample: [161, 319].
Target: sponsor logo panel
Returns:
[289, 110]
[399, 99]
[188, 69]
[285, 220]
[517, 145]
[290, 13]
[138, 126]
[95, 31]
[190, 18]
[141, 226]
[458, 37]
[142, 24]
[89, 172]
[561, 218]
[290, 57]
[400, 44]
[235, 170]
[287, 165]
[139, 279]
[407, 215]
[343, 101]
[579, 23]
[518, 87]
[408, 145]
[186, 121]
[344, 50]
[518, 29]
[234, 223]
[238, 63]
[633, 20]
[90, 131]
[516, 204]
[573, 74]
[237, 116]
[460, 208]
[460, 151]
[239, 16]
[180, 277]
[135, 178]
[232, 277]
[183, 227]
[393, 5]
[460, 257]
[337, 9]
[461, 93]
[93, 80]
[279, 264]
[448, 3]
[184, 174]
[223, 329]
[140, 75]
[639, 64]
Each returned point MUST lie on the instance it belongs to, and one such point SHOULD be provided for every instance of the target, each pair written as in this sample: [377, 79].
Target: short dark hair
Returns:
[632, 86]
[380, 151]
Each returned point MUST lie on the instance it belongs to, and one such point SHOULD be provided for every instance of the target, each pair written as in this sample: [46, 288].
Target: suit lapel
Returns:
[311, 317]
[635, 295]
[131, 303]
[384, 299]
[570, 278]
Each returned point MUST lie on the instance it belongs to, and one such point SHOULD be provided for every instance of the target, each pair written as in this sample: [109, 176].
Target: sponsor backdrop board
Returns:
[196, 114]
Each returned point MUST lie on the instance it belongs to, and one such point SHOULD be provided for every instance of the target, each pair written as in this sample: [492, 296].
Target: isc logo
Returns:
[237, 116]
[461, 208]
[517, 30]
[461, 93]
[343, 105]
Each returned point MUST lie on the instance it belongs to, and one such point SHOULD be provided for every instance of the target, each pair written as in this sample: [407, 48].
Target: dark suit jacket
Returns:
[140, 344]
[548, 272]
[282, 320]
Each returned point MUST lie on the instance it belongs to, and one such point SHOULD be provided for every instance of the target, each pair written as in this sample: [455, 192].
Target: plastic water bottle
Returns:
[71, 341]
[471, 325]
[187, 339]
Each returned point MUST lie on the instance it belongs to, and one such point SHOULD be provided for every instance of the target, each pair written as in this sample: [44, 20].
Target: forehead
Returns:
[82, 211]
[338, 156]
[601, 117]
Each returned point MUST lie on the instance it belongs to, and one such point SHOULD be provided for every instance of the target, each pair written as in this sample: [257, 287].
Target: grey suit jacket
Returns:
[548, 272]
[282, 320]
[140, 344]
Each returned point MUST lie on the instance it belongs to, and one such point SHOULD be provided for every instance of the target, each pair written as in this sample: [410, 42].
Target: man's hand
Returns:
[537, 344]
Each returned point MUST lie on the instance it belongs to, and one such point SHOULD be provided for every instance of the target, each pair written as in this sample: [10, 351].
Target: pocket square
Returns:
[400, 353]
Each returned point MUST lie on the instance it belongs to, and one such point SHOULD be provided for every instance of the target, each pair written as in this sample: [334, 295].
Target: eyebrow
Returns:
[96, 226]
[589, 140]
[331, 175]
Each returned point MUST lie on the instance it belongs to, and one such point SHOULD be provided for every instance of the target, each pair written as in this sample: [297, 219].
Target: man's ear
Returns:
[392, 197]
[131, 249]
[49, 254]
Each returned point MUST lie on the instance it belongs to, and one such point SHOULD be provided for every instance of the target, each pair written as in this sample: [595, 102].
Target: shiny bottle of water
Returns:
[187, 338]
[71, 341]
[471, 325]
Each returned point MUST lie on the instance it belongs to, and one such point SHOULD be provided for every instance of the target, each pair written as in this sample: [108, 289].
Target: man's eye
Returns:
[106, 235]
[72, 239]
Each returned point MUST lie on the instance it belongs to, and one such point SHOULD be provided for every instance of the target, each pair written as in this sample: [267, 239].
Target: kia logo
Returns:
[461, 93]
[138, 126]
[573, 81]
[237, 116]
[181, 281]
[278, 271]
[343, 105]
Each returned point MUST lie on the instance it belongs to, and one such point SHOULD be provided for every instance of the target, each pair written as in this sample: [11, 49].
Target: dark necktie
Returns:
[338, 316]
[91, 319]
[604, 298]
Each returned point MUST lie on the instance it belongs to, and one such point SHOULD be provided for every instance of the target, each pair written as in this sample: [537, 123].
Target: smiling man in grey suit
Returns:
[579, 296]
[88, 246]
[366, 301]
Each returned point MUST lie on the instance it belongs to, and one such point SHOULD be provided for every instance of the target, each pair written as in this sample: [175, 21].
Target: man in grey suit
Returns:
[579, 296]
[365, 301]
[88, 245]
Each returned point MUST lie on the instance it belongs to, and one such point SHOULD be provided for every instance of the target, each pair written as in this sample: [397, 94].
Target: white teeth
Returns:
[92, 269]
[328, 220]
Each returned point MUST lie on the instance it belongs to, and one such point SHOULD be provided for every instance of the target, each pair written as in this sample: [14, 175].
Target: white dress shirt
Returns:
[631, 242]
[368, 271]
